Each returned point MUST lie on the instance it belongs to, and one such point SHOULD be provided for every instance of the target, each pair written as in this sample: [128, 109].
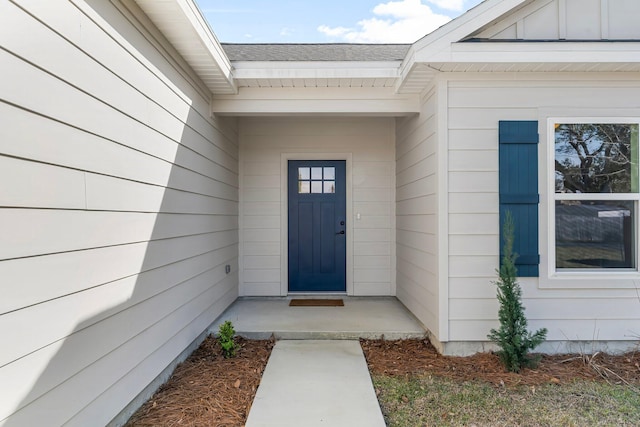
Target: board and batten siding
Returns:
[118, 211]
[370, 144]
[417, 285]
[569, 20]
[599, 310]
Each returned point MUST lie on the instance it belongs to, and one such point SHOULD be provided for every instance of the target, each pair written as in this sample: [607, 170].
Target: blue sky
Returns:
[328, 21]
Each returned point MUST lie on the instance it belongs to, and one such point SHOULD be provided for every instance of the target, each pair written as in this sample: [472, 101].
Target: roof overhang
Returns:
[449, 49]
[186, 29]
[522, 57]
[538, 51]
[454, 31]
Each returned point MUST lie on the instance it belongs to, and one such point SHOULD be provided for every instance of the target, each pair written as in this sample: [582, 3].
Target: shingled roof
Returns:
[316, 52]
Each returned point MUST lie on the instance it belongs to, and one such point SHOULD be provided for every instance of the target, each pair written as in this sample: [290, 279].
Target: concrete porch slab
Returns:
[361, 317]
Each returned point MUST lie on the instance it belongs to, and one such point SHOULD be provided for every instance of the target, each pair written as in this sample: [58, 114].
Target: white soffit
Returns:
[277, 74]
[184, 27]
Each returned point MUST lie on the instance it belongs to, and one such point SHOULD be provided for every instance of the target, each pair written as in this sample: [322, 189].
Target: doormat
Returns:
[316, 303]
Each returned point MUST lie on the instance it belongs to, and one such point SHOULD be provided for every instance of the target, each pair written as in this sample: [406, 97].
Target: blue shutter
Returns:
[519, 190]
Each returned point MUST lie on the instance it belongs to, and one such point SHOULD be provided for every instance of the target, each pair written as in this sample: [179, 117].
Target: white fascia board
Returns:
[206, 35]
[315, 69]
[189, 28]
[383, 101]
[541, 52]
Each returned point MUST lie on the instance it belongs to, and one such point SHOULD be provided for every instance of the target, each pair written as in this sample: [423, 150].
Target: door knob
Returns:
[340, 232]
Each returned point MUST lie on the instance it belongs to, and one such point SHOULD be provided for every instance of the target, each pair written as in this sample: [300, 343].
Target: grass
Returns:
[433, 401]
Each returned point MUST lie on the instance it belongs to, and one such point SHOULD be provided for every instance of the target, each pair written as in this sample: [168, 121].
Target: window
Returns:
[316, 180]
[595, 195]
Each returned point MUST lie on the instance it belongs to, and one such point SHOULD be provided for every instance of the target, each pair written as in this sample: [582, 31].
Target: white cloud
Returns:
[287, 31]
[335, 31]
[403, 21]
[457, 5]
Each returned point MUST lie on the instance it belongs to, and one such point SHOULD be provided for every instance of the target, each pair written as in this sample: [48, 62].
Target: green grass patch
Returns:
[433, 401]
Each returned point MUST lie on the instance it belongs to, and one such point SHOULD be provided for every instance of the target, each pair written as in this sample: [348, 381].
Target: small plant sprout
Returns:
[513, 338]
[225, 338]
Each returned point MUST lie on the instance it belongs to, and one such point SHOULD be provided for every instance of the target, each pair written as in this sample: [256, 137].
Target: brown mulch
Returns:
[407, 357]
[208, 390]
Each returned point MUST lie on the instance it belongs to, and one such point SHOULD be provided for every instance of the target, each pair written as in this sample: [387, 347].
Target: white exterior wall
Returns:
[119, 211]
[368, 146]
[605, 309]
[417, 213]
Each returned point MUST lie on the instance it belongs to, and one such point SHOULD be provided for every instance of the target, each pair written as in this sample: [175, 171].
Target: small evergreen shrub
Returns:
[513, 338]
[225, 338]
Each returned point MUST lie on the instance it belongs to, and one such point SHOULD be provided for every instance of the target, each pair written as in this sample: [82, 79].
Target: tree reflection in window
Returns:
[596, 158]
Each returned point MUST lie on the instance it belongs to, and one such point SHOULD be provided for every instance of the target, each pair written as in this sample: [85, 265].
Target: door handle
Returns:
[340, 232]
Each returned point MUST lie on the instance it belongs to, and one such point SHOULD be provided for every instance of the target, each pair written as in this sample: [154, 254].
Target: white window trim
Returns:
[615, 278]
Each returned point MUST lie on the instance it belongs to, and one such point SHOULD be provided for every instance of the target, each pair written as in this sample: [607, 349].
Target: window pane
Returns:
[329, 173]
[595, 234]
[316, 173]
[596, 158]
[303, 173]
[316, 186]
[303, 187]
[329, 187]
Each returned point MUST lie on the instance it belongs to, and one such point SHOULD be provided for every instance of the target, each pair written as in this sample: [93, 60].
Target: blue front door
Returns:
[317, 226]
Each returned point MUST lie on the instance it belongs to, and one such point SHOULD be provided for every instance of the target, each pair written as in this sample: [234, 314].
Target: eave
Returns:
[522, 57]
[186, 29]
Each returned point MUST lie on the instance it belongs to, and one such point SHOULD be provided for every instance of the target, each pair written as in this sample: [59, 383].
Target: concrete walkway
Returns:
[316, 383]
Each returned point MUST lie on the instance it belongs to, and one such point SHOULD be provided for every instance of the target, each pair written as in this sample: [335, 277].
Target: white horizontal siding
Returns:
[417, 213]
[83, 269]
[29, 232]
[120, 216]
[370, 144]
[475, 108]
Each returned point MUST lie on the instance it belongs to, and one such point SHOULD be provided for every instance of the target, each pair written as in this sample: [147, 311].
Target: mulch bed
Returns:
[411, 357]
[208, 390]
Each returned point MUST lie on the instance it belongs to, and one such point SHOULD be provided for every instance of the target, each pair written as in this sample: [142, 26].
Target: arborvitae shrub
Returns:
[513, 338]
